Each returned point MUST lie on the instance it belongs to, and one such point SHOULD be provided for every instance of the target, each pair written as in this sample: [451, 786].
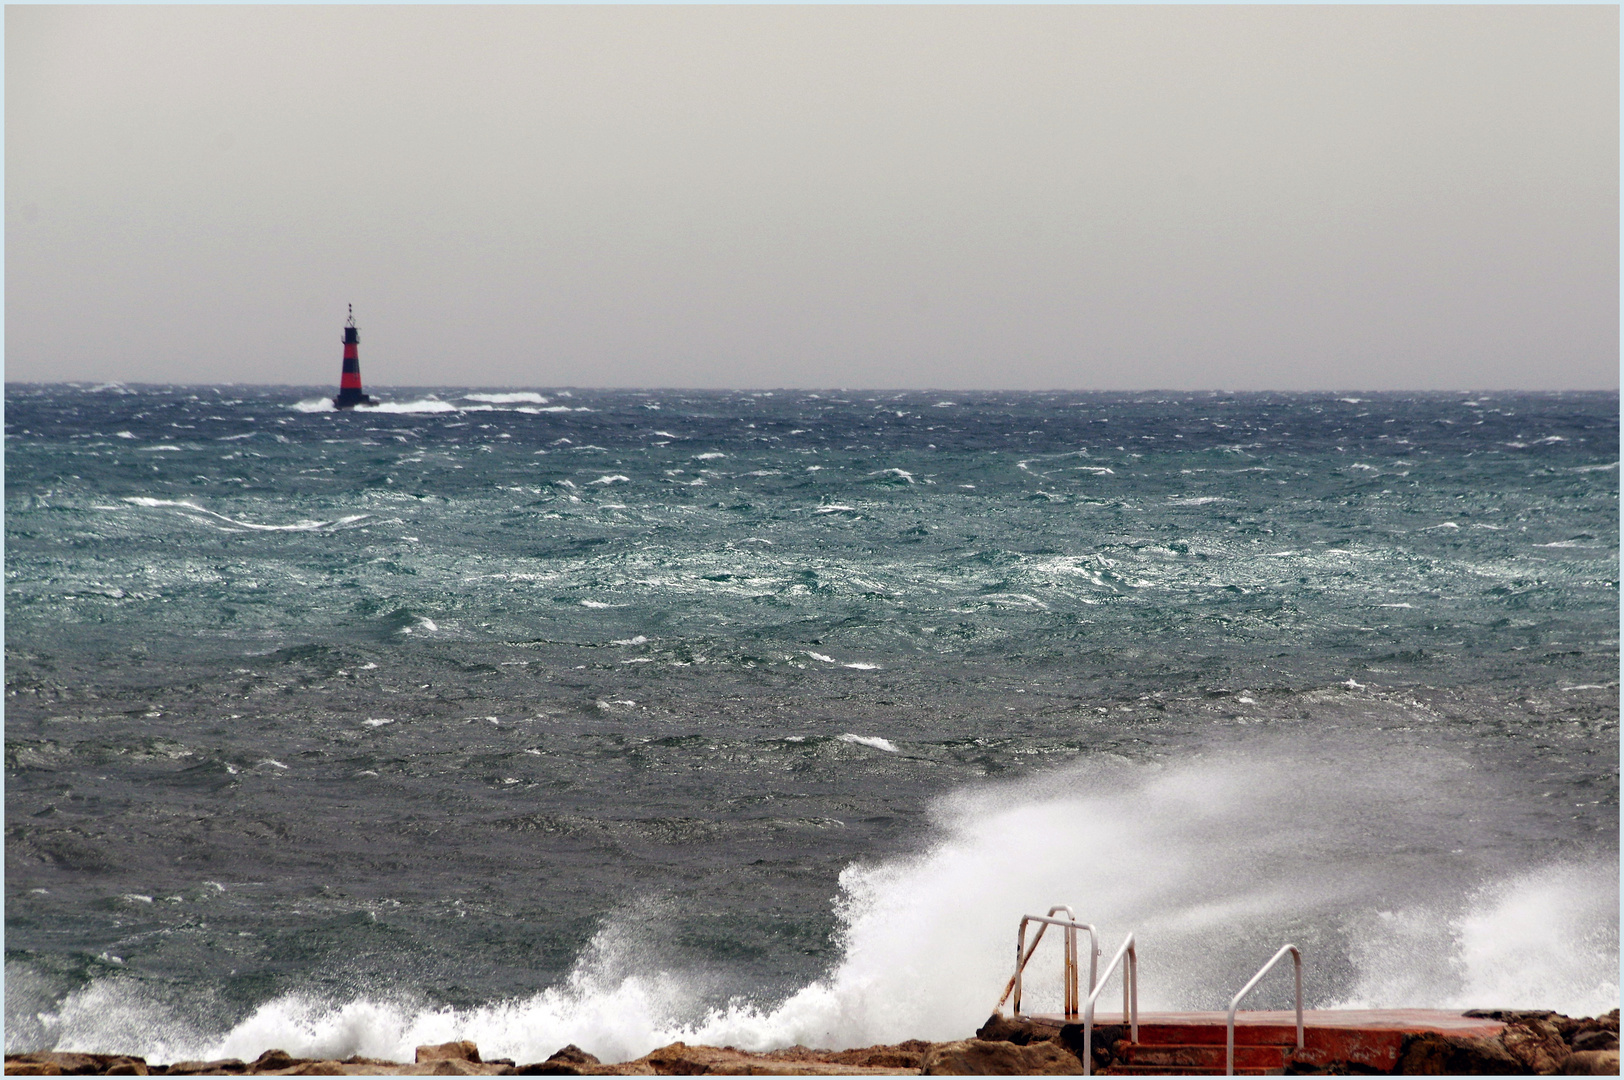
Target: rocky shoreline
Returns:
[1532, 1043]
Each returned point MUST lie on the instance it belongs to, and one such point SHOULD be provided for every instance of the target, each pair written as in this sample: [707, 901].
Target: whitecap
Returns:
[617, 478]
[712, 456]
[861, 666]
[638, 640]
[418, 407]
[314, 405]
[820, 656]
[378, 721]
[521, 397]
[870, 740]
[835, 508]
[185, 505]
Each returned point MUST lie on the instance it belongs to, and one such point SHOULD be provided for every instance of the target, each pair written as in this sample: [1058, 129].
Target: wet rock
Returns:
[1431, 1054]
[202, 1068]
[33, 1068]
[565, 1061]
[903, 1055]
[273, 1060]
[69, 1063]
[1595, 1039]
[462, 1050]
[1537, 1043]
[1591, 1063]
[1000, 1028]
[1105, 1039]
[980, 1057]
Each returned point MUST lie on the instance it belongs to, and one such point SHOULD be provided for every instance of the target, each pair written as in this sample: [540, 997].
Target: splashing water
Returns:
[1371, 860]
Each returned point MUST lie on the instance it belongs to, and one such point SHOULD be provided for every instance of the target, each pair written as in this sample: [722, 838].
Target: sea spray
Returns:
[1397, 897]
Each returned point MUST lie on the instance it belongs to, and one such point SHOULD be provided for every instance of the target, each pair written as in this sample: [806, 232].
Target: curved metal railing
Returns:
[1068, 969]
[1130, 1001]
[1229, 1041]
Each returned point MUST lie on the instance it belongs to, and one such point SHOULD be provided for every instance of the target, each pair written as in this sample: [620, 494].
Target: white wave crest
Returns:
[870, 740]
[234, 524]
[421, 405]
[521, 397]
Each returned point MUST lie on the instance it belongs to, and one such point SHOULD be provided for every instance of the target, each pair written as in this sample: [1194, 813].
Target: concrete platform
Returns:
[1193, 1042]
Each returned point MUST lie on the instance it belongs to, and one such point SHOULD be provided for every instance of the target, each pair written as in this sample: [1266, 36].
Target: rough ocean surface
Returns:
[616, 718]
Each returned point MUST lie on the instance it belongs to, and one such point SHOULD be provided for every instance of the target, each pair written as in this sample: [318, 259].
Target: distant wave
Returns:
[527, 397]
[185, 505]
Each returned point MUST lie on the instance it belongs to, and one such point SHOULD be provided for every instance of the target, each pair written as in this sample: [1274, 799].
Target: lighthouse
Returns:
[349, 382]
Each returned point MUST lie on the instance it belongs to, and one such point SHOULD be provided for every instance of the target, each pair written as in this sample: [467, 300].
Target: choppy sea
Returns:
[536, 717]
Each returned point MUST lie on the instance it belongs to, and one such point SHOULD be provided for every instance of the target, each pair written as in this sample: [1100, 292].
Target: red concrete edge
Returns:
[1369, 1037]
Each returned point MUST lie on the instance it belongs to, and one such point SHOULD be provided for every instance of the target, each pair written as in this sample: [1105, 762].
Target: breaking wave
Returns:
[1384, 866]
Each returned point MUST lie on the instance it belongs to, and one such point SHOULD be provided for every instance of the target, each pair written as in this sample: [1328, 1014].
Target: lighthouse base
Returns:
[349, 399]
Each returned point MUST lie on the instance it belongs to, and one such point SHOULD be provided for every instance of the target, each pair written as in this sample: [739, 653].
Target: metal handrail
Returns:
[1130, 995]
[1068, 970]
[1297, 962]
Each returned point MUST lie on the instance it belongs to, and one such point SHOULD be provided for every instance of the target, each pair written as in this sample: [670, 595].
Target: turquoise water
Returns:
[512, 714]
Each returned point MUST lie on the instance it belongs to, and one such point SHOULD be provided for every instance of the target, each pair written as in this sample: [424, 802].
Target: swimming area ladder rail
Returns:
[1229, 1042]
[1130, 1001]
[1068, 970]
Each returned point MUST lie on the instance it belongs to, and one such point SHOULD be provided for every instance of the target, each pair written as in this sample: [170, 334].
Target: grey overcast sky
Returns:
[1108, 197]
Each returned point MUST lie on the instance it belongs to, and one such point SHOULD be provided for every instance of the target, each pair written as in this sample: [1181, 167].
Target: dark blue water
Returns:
[599, 716]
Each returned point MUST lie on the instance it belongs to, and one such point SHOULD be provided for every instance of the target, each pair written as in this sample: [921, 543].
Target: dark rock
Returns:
[1000, 1028]
[1596, 1039]
[1431, 1054]
[274, 1059]
[574, 1055]
[564, 1062]
[980, 1057]
[202, 1068]
[1106, 1036]
[461, 1050]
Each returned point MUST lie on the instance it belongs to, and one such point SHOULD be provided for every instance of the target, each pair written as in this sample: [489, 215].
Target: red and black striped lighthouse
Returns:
[349, 382]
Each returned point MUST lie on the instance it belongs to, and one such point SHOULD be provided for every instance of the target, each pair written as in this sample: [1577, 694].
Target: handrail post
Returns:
[1229, 1040]
[1020, 961]
[1068, 961]
[1130, 976]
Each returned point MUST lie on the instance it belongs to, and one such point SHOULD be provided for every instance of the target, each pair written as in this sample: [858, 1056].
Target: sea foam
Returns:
[1368, 861]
